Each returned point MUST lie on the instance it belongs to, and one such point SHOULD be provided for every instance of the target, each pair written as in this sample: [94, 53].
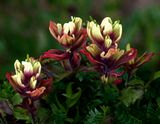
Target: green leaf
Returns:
[69, 90]
[158, 102]
[124, 117]
[6, 91]
[74, 98]
[16, 99]
[156, 75]
[59, 115]
[80, 76]
[136, 82]
[42, 115]
[105, 109]
[21, 114]
[94, 117]
[70, 120]
[130, 96]
[60, 105]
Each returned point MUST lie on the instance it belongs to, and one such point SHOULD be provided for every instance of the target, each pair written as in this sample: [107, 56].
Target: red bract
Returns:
[27, 80]
[136, 62]
[55, 54]
[108, 66]
[71, 36]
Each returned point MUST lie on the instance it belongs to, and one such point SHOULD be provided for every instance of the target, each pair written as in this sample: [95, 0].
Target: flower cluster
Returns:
[28, 80]
[32, 78]
[103, 52]
[71, 36]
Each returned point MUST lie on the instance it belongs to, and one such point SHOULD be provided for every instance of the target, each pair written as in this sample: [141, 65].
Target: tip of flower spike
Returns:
[128, 47]
[91, 19]
[75, 18]
[27, 58]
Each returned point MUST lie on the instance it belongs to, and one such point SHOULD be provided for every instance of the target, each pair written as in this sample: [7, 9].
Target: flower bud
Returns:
[28, 68]
[18, 66]
[93, 49]
[106, 25]
[107, 42]
[33, 82]
[18, 79]
[37, 68]
[89, 26]
[59, 27]
[94, 31]
[128, 48]
[117, 30]
[78, 22]
[68, 28]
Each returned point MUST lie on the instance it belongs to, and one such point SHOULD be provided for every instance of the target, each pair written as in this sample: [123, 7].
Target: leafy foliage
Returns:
[79, 97]
[126, 118]
[94, 117]
[97, 117]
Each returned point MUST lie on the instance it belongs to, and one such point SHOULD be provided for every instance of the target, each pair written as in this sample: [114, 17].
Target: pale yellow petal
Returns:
[96, 33]
[37, 68]
[33, 82]
[128, 47]
[106, 25]
[18, 79]
[89, 26]
[117, 29]
[59, 27]
[107, 42]
[93, 49]
[28, 68]
[78, 22]
[68, 28]
[17, 66]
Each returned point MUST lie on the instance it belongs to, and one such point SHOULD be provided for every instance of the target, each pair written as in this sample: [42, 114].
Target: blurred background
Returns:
[24, 26]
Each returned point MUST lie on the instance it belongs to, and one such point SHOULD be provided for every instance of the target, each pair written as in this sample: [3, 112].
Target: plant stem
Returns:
[33, 118]
[2, 120]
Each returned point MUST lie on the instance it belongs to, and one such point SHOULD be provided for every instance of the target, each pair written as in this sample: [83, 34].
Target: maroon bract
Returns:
[136, 62]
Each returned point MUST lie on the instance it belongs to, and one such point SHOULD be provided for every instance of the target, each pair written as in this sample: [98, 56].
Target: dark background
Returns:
[24, 26]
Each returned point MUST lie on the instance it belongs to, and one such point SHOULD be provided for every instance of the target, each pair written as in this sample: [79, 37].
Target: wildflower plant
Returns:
[71, 36]
[103, 52]
[98, 84]
[28, 80]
